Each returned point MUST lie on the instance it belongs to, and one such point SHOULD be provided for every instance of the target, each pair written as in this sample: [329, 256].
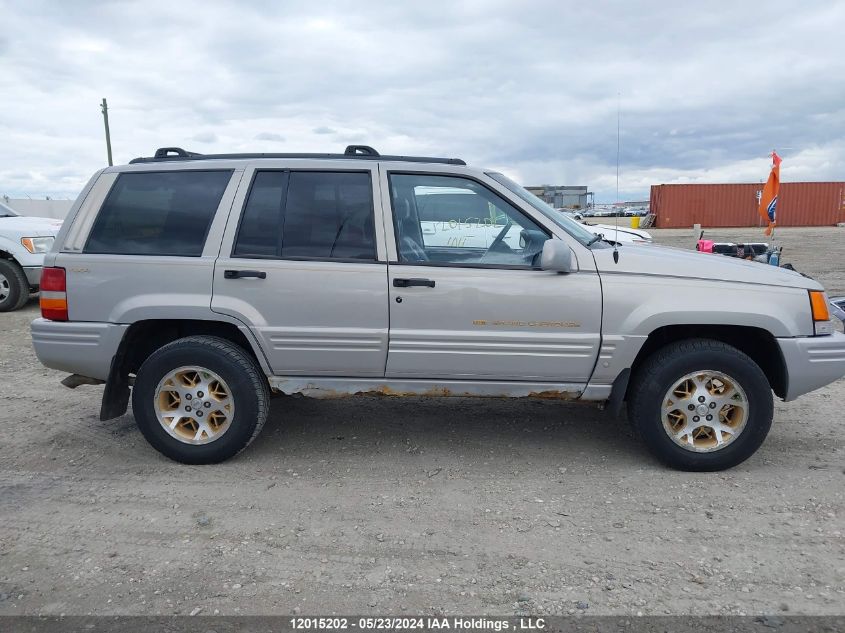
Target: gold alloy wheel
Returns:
[705, 411]
[194, 405]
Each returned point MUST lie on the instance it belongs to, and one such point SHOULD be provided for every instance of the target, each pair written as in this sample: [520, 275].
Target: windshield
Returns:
[6, 211]
[567, 224]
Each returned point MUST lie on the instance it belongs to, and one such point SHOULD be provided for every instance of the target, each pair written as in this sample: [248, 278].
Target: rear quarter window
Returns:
[158, 213]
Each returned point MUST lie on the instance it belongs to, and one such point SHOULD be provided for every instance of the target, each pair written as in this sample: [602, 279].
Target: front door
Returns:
[300, 266]
[467, 300]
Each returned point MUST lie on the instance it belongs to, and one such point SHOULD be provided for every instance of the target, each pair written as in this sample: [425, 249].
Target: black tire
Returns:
[17, 293]
[245, 379]
[663, 369]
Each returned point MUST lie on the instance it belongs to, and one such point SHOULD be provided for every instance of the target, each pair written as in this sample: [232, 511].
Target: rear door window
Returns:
[308, 215]
[260, 231]
[158, 213]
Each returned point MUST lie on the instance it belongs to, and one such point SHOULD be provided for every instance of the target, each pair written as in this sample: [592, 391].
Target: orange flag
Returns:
[769, 199]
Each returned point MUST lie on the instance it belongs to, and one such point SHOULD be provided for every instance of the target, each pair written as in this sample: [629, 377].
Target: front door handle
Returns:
[407, 283]
[240, 274]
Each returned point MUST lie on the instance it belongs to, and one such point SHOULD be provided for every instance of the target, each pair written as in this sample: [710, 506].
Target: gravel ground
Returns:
[416, 505]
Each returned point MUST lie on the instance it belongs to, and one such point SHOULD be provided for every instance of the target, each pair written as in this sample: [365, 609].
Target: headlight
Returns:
[37, 244]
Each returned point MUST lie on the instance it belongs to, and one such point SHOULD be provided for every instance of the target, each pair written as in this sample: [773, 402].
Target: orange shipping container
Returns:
[800, 204]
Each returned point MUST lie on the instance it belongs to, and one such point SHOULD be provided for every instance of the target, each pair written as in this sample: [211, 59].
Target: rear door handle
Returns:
[240, 274]
[407, 283]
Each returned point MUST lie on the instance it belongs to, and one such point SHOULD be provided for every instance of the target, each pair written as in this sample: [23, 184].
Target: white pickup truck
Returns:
[448, 219]
[23, 243]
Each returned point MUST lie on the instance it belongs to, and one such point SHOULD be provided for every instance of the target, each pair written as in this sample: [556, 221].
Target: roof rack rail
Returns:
[353, 152]
[360, 150]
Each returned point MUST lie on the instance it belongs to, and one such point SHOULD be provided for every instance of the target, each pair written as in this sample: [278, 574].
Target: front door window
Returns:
[458, 221]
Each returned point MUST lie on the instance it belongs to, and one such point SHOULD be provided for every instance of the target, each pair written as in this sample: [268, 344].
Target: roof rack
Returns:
[355, 152]
[165, 152]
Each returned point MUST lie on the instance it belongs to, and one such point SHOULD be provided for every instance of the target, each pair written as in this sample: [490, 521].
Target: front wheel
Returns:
[701, 405]
[14, 287]
[200, 399]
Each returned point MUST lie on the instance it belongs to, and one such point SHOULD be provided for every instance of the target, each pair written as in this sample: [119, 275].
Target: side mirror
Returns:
[556, 256]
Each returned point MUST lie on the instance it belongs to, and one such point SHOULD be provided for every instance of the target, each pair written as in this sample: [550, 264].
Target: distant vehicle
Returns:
[575, 215]
[452, 217]
[23, 242]
[619, 234]
[837, 308]
[613, 234]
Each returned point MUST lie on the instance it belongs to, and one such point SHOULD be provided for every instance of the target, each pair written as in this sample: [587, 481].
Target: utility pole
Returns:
[105, 108]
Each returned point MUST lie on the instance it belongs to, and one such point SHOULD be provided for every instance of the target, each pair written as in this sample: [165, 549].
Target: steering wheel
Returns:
[501, 236]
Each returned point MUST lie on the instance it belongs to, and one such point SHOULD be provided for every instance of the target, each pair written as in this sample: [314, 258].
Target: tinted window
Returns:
[158, 213]
[322, 215]
[260, 230]
[446, 219]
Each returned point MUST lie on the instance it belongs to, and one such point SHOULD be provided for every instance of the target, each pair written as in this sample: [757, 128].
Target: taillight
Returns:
[53, 289]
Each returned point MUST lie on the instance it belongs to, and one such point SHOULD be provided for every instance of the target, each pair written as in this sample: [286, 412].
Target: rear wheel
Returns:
[14, 286]
[701, 405]
[200, 399]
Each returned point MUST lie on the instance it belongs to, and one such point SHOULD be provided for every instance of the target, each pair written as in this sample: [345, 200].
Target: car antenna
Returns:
[616, 211]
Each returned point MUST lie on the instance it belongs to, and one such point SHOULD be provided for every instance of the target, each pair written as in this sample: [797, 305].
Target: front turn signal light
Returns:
[818, 301]
[821, 313]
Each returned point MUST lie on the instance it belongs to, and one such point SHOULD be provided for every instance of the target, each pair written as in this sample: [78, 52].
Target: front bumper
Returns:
[77, 348]
[812, 362]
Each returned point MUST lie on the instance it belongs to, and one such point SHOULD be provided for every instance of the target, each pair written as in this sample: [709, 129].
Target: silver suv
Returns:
[199, 284]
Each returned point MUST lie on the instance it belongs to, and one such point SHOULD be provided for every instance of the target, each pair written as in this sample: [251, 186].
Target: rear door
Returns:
[302, 264]
[468, 300]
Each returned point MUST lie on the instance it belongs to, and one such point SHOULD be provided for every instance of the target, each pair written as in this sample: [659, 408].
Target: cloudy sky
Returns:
[707, 89]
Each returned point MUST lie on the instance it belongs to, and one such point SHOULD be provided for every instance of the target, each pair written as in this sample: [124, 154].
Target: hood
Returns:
[29, 227]
[678, 262]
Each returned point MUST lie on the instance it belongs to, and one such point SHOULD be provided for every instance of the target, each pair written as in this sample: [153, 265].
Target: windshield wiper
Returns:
[595, 239]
